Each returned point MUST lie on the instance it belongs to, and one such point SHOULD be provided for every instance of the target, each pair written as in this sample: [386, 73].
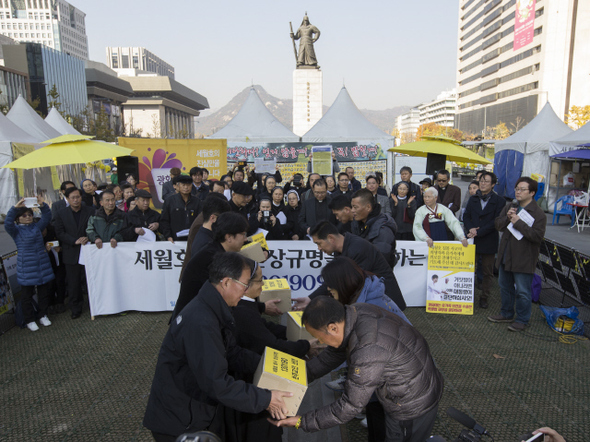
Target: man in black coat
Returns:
[229, 235]
[479, 221]
[199, 188]
[70, 227]
[316, 209]
[61, 203]
[192, 390]
[142, 217]
[180, 210]
[361, 251]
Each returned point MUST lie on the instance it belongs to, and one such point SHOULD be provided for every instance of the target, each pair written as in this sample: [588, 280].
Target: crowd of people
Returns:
[216, 335]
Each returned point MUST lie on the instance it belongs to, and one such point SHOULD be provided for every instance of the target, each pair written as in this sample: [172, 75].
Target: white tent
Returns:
[56, 121]
[345, 122]
[255, 123]
[571, 140]
[9, 133]
[25, 117]
[527, 151]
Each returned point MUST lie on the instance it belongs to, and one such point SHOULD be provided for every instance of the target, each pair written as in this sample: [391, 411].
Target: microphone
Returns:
[514, 204]
[466, 421]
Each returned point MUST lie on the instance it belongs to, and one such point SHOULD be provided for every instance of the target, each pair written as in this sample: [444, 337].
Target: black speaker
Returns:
[127, 165]
[434, 163]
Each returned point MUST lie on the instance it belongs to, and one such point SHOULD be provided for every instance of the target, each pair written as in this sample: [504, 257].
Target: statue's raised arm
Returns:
[308, 34]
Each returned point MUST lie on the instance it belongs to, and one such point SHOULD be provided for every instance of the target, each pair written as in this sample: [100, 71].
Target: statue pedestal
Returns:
[307, 99]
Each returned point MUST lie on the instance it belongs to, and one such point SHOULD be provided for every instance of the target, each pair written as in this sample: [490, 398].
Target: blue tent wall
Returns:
[508, 168]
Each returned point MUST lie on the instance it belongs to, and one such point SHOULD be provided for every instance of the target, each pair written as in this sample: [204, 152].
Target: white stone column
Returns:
[307, 99]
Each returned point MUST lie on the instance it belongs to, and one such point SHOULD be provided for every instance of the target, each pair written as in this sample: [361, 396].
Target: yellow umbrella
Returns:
[69, 149]
[442, 146]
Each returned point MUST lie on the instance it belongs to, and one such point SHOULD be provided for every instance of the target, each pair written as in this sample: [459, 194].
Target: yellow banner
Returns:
[450, 278]
[284, 365]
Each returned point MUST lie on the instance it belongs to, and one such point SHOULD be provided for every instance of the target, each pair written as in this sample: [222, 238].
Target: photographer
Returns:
[264, 219]
[296, 183]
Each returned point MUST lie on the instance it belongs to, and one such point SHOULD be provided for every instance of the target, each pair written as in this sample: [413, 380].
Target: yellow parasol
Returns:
[69, 149]
[441, 146]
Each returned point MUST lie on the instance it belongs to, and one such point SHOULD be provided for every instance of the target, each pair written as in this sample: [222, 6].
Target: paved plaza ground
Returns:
[84, 380]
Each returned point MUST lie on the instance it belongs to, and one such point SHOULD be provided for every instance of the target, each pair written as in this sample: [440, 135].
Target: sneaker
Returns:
[499, 318]
[364, 423]
[32, 326]
[517, 326]
[45, 321]
[337, 385]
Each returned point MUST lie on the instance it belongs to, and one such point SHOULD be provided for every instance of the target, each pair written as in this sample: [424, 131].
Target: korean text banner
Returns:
[144, 276]
[450, 278]
[164, 154]
[524, 23]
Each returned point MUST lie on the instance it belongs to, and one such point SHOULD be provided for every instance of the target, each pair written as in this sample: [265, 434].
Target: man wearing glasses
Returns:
[192, 390]
[448, 194]
[523, 225]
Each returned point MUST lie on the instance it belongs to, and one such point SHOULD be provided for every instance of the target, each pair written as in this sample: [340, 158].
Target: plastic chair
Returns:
[540, 191]
[561, 208]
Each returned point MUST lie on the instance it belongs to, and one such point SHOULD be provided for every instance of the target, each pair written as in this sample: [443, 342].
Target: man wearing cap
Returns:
[142, 217]
[406, 175]
[180, 210]
[241, 195]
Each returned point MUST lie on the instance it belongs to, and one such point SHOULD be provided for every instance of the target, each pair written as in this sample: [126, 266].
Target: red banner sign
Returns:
[524, 24]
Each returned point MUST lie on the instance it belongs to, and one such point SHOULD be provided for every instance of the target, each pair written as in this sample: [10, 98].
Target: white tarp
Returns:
[144, 276]
[255, 123]
[25, 117]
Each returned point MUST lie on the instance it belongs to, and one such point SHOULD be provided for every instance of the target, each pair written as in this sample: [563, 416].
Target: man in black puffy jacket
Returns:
[386, 356]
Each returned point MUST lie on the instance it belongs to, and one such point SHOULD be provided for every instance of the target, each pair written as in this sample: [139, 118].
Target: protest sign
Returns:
[321, 160]
[265, 166]
[450, 278]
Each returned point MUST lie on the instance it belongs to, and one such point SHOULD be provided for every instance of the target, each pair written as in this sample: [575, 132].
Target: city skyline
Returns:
[402, 53]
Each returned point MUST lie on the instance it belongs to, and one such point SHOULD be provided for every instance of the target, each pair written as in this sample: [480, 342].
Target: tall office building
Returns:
[130, 60]
[515, 55]
[53, 23]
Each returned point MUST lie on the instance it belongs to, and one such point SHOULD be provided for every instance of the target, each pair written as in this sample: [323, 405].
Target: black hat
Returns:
[182, 179]
[427, 181]
[141, 193]
[241, 188]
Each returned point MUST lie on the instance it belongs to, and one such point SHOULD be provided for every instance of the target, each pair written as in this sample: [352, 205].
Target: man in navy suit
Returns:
[479, 220]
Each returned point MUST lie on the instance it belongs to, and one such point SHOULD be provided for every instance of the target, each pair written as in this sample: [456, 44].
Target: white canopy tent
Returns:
[9, 133]
[56, 121]
[255, 123]
[571, 140]
[25, 117]
[527, 151]
[344, 122]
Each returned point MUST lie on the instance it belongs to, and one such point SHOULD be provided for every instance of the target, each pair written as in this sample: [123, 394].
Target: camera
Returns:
[297, 180]
[265, 217]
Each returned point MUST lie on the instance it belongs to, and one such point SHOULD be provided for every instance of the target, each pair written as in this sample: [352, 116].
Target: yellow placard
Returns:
[450, 284]
[297, 318]
[284, 365]
[259, 238]
[275, 284]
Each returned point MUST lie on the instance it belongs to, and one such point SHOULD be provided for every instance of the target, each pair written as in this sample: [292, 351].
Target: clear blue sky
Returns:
[388, 52]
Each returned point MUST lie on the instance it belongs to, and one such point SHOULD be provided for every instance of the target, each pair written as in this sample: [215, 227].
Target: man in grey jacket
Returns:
[385, 355]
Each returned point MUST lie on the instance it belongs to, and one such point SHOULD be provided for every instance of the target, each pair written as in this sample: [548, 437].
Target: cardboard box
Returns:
[253, 251]
[281, 371]
[295, 329]
[277, 289]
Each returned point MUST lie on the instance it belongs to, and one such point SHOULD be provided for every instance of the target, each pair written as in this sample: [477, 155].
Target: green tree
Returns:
[53, 102]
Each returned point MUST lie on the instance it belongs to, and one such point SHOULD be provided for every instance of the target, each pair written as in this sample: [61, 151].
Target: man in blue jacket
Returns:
[192, 390]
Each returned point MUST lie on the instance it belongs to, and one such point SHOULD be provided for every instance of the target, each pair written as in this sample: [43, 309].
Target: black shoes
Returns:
[76, 315]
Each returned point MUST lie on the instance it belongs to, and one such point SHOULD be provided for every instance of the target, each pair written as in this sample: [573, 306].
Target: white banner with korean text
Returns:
[144, 276]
